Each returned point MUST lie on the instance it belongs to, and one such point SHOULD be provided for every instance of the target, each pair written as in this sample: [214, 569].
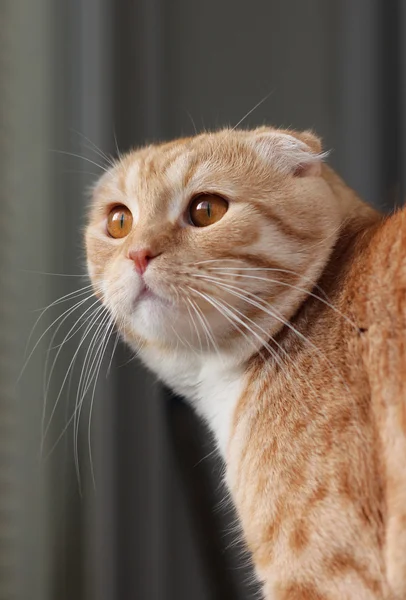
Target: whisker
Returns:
[200, 317]
[192, 320]
[112, 353]
[70, 367]
[258, 104]
[192, 121]
[46, 330]
[96, 149]
[84, 385]
[71, 296]
[79, 172]
[283, 321]
[294, 287]
[184, 343]
[233, 310]
[81, 157]
[91, 365]
[62, 432]
[263, 341]
[177, 337]
[273, 269]
[232, 318]
[206, 456]
[266, 345]
[205, 325]
[116, 144]
[80, 322]
[67, 337]
[78, 275]
[107, 337]
[66, 298]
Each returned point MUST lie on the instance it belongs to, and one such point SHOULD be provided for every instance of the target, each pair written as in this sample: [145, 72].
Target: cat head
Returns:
[211, 241]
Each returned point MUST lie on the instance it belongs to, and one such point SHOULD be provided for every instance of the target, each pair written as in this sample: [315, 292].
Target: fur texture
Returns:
[283, 324]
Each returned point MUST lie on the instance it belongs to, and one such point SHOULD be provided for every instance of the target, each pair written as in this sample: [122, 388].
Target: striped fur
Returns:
[283, 324]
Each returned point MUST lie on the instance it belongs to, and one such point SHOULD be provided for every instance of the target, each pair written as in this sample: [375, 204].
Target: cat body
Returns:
[257, 285]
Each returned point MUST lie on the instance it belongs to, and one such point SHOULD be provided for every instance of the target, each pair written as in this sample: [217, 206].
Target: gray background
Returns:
[138, 70]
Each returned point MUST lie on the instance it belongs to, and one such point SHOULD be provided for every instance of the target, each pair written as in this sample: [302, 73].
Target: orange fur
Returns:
[303, 289]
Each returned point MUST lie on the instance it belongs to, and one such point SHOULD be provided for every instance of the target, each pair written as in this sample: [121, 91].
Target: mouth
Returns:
[147, 294]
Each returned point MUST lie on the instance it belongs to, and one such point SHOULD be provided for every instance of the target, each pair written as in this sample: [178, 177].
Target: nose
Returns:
[141, 259]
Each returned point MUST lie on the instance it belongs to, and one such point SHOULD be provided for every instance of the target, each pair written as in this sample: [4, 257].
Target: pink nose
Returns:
[141, 259]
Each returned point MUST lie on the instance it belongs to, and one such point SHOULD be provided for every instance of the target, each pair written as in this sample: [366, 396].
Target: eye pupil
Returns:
[207, 209]
[119, 222]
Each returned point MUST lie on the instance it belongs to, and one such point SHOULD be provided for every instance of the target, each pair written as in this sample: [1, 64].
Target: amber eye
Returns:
[207, 209]
[119, 222]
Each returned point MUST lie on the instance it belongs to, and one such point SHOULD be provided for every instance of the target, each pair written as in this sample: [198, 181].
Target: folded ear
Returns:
[291, 152]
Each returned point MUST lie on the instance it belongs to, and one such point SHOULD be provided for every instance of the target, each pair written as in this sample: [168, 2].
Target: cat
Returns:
[253, 282]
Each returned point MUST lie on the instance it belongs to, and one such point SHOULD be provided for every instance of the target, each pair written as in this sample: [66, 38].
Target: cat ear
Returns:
[289, 151]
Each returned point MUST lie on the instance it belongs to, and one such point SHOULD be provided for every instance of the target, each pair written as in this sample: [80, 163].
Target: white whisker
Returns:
[232, 318]
[257, 105]
[113, 352]
[205, 325]
[199, 316]
[67, 297]
[291, 286]
[77, 276]
[84, 384]
[271, 312]
[192, 320]
[96, 149]
[276, 270]
[48, 378]
[81, 157]
[70, 367]
[107, 336]
[116, 145]
[46, 330]
[192, 121]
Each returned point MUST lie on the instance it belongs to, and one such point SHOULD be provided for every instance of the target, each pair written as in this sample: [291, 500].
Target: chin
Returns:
[154, 318]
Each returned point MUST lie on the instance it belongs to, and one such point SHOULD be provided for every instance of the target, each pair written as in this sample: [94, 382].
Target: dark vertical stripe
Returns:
[391, 101]
[359, 123]
[143, 487]
[401, 32]
[94, 119]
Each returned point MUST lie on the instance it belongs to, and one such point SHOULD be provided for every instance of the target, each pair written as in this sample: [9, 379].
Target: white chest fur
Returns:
[210, 383]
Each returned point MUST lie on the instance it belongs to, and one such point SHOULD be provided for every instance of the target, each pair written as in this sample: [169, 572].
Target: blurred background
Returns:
[140, 511]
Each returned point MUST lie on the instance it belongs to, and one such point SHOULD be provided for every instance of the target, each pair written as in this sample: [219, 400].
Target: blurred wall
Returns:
[82, 76]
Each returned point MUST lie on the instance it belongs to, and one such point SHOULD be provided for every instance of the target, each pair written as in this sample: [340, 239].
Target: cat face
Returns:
[212, 241]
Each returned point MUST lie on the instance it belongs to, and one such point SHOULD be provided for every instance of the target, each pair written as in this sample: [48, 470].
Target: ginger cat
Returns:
[256, 284]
